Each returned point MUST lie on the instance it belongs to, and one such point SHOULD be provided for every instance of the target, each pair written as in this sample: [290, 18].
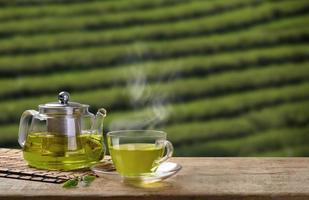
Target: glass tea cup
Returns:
[138, 153]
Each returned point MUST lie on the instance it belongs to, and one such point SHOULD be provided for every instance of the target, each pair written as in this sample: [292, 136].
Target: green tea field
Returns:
[221, 77]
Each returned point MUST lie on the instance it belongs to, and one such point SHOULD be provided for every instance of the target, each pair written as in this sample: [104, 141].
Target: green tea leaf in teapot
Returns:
[93, 147]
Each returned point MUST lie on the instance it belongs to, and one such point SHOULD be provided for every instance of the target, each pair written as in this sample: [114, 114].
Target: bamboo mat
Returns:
[12, 165]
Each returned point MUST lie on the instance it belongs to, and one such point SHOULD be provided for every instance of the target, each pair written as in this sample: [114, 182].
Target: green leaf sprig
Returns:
[74, 182]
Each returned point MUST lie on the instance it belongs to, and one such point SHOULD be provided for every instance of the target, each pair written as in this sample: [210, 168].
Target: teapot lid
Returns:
[63, 106]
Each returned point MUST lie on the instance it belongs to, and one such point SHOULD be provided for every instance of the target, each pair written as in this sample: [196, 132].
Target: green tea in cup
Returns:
[138, 153]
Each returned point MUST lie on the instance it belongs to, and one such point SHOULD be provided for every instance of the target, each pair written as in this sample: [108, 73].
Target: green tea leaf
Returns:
[70, 183]
[88, 179]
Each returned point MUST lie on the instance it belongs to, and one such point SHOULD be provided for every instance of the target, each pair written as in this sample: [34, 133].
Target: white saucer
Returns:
[164, 171]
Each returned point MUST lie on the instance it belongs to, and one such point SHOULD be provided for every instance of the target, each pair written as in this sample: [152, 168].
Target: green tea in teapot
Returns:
[60, 152]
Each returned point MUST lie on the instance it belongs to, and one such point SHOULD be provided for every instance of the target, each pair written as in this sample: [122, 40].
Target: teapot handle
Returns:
[101, 114]
[24, 125]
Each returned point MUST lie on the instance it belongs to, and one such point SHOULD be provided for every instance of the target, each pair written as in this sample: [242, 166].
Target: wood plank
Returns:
[200, 178]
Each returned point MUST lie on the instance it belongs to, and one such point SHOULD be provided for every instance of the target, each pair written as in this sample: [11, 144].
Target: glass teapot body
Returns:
[62, 136]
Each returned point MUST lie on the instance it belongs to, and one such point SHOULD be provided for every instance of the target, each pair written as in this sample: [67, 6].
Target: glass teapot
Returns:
[62, 135]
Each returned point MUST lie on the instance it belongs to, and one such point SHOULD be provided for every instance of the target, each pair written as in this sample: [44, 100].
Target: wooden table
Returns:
[200, 178]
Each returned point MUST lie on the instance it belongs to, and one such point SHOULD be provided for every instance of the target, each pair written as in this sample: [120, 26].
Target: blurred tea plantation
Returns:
[222, 77]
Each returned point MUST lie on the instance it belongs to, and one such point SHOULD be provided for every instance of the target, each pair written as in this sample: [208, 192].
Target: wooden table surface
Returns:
[200, 178]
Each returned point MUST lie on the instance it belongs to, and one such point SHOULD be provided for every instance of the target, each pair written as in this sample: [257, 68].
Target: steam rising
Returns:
[142, 96]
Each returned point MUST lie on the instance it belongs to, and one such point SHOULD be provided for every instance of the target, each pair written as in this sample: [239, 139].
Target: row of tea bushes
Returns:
[182, 67]
[232, 105]
[268, 142]
[53, 8]
[91, 57]
[184, 89]
[86, 22]
[283, 115]
[200, 26]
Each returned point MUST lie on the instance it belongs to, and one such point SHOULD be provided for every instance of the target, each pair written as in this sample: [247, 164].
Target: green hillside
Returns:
[221, 77]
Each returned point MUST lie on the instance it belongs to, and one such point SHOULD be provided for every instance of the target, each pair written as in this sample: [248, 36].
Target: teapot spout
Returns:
[99, 117]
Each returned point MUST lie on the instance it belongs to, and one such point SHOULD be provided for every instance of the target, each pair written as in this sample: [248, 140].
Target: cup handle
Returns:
[169, 151]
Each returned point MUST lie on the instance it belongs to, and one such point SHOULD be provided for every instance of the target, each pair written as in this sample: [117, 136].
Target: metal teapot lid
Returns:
[63, 107]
